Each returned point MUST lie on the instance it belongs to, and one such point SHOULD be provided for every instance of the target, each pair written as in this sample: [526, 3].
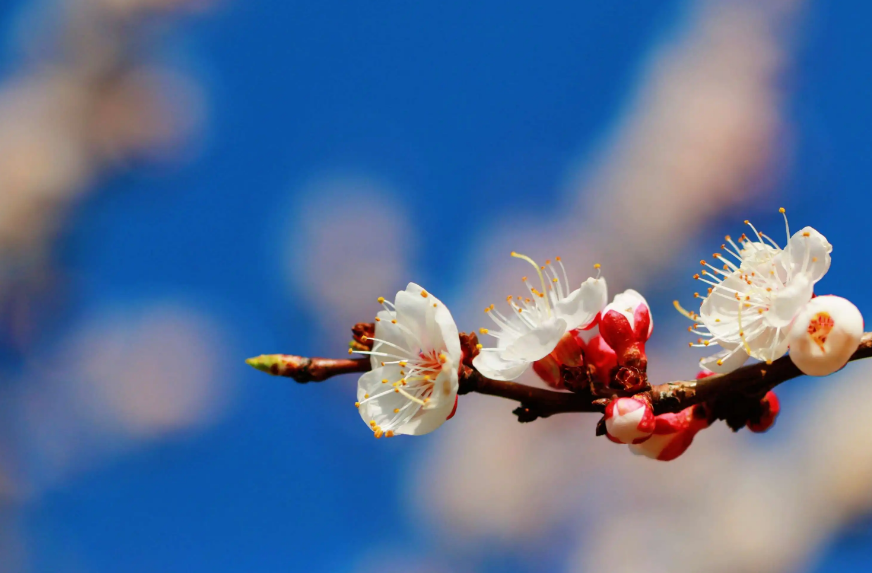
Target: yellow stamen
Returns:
[539, 271]
[681, 310]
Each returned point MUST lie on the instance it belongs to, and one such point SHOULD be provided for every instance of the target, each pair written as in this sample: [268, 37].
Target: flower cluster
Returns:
[554, 329]
[761, 303]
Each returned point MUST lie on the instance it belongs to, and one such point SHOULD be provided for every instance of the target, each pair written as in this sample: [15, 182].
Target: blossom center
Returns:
[819, 328]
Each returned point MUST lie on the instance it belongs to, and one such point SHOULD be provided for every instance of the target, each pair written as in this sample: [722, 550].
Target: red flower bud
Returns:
[771, 408]
[629, 421]
[673, 434]
[625, 326]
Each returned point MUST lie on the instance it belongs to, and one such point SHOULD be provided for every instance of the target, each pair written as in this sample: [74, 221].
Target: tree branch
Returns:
[720, 392]
[304, 370]
[748, 381]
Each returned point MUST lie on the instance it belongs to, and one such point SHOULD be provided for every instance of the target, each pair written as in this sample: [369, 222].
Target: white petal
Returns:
[433, 326]
[582, 305]
[731, 359]
[412, 314]
[587, 335]
[447, 328]
[788, 301]
[810, 252]
[768, 344]
[389, 332]
[825, 334]
[379, 409]
[537, 343]
[625, 427]
[492, 365]
[437, 410]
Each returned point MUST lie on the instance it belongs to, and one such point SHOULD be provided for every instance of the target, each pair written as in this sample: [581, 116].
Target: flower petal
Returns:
[769, 344]
[429, 320]
[436, 412]
[538, 342]
[387, 331]
[582, 305]
[730, 358]
[380, 409]
[809, 253]
[412, 314]
[789, 300]
[720, 310]
[491, 364]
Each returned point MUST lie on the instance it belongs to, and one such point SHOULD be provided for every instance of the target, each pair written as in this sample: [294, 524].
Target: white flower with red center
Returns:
[824, 335]
[537, 323]
[412, 387]
[629, 421]
[755, 297]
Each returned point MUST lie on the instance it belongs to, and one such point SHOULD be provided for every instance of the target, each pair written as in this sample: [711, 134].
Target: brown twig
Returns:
[304, 370]
[720, 392]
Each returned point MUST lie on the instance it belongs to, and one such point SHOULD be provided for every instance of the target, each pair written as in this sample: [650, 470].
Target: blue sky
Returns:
[472, 110]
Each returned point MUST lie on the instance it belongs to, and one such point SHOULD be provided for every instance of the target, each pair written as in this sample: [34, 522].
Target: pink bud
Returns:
[673, 434]
[625, 326]
[771, 407]
[629, 421]
[824, 335]
[627, 319]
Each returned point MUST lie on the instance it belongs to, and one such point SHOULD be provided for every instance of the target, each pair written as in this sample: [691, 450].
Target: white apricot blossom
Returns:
[756, 294]
[824, 335]
[536, 323]
[412, 387]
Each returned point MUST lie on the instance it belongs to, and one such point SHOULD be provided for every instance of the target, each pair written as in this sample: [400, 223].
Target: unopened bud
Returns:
[625, 326]
[673, 434]
[770, 408]
[629, 421]
[824, 335]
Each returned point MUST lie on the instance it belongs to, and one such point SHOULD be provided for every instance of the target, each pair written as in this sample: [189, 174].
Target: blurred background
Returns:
[186, 183]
